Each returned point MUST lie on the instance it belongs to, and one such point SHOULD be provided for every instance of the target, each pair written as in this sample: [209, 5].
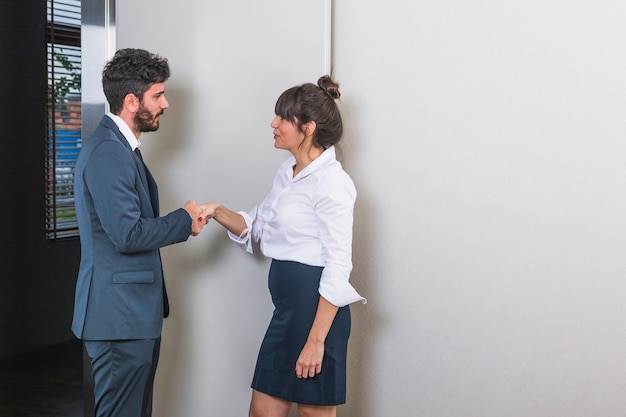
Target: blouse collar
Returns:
[321, 161]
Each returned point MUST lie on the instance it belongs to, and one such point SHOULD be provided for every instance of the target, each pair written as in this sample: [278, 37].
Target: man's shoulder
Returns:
[103, 141]
[106, 131]
[106, 127]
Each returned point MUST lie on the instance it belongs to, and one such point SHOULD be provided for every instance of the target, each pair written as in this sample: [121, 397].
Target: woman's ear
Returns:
[309, 128]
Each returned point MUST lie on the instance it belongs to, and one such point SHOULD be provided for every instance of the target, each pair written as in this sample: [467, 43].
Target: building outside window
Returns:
[63, 115]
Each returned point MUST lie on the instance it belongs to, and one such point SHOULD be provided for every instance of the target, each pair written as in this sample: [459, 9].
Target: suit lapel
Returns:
[150, 188]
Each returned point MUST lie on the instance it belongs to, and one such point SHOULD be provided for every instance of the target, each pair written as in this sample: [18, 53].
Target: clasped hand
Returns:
[200, 215]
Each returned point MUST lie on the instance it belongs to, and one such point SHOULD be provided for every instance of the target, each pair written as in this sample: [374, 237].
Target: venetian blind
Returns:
[63, 115]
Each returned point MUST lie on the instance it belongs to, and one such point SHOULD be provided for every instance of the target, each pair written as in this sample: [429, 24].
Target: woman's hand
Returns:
[309, 362]
[233, 222]
[208, 210]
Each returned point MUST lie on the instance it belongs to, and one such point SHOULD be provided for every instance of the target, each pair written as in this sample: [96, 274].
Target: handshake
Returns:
[200, 214]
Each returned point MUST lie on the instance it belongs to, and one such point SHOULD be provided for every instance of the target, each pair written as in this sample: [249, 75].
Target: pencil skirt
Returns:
[294, 290]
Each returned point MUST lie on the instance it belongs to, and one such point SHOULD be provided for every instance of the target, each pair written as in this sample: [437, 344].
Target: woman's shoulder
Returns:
[333, 169]
[334, 177]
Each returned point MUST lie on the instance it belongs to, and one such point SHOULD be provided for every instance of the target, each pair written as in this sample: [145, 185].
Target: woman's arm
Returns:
[309, 362]
[233, 222]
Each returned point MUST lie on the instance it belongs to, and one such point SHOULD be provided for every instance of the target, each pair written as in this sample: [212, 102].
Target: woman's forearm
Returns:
[309, 362]
[324, 317]
[233, 222]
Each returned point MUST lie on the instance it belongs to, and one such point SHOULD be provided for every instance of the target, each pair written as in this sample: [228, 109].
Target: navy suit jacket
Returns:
[120, 292]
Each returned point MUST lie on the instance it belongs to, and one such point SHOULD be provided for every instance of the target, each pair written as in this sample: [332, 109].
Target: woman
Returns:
[305, 225]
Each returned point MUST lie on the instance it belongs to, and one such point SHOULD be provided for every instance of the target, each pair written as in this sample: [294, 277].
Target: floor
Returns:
[46, 383]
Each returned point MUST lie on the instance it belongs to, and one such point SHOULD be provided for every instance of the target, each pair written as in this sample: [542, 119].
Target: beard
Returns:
[146, 121]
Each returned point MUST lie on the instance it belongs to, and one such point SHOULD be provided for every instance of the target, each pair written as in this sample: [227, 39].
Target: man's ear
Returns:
[131, 102]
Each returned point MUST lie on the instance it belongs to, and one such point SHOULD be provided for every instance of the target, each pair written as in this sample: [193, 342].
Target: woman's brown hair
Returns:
[309, 102]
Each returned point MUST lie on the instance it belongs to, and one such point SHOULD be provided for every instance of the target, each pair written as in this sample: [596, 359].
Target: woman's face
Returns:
[286, 134]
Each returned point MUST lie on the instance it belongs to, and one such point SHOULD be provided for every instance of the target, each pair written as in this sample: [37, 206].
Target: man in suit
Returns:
[120, 293]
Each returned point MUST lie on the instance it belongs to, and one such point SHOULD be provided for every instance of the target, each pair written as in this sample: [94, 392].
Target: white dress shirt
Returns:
[308, 219]
[125, 130]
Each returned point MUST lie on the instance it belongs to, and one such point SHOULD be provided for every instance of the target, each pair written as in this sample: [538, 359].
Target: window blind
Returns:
[63, 115]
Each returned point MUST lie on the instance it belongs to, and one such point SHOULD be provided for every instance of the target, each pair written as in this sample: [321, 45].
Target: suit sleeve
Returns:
[122, 204]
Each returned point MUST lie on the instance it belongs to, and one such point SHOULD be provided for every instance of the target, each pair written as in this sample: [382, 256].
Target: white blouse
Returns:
[308, 219]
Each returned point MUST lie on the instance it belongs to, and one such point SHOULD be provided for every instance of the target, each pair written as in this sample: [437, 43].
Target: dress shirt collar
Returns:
[126, 132]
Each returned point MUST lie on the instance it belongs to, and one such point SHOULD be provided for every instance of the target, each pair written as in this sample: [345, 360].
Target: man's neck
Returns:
[126, 131]
[129, 119]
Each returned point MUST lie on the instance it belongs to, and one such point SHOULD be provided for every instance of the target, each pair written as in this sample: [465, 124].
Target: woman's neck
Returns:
[304, 156]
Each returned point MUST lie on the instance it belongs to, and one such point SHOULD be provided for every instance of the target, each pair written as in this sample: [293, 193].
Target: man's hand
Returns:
[198, 218]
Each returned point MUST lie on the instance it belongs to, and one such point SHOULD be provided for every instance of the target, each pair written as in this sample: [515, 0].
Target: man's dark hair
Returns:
[132, 71]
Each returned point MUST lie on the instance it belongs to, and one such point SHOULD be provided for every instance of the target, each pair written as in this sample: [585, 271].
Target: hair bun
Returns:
[329, 86]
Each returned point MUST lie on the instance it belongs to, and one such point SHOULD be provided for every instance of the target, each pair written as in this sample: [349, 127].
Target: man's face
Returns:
[151, 108]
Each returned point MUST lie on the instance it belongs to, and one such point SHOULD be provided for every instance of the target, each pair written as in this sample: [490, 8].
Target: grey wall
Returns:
[486, 140]
[230, 60]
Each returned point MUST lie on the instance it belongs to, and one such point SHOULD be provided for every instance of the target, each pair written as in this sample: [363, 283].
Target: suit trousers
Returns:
[123, 372]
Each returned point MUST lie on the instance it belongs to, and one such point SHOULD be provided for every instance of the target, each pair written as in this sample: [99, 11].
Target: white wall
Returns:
[487, 142]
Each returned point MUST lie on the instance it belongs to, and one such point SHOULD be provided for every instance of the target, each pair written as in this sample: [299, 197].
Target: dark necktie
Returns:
[145, 169]
[138, 152]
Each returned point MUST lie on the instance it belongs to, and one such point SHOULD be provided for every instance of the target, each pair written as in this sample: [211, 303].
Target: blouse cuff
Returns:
[245, 239]
[340, 295]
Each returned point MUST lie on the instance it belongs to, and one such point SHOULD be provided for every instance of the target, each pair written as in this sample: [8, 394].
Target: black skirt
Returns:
[294, 289]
